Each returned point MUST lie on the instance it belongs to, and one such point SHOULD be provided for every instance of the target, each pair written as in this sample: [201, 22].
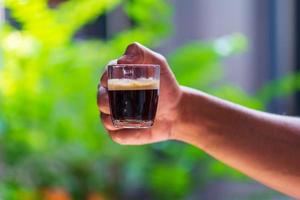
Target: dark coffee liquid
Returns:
[133, 104]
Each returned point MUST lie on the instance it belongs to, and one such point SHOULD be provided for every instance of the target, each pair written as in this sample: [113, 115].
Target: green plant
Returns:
[50, 135]
[50, 130]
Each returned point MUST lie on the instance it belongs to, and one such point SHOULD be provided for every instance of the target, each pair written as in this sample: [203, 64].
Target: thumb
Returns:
[136, 53]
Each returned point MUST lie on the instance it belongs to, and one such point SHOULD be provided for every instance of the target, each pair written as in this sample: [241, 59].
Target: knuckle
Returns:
[112, 62]
[108, 126]
[161, 58]
[134, 44]
[104, 118]
[102, 97]
[107, 123]
[103, 80]
[117, 138]
[102, 91]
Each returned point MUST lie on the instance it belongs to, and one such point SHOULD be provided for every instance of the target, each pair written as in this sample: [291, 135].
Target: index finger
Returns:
[137, 53]
[104, 77]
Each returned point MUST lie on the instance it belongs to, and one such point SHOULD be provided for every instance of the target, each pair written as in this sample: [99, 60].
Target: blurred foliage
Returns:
[279, 88]
[50, 135]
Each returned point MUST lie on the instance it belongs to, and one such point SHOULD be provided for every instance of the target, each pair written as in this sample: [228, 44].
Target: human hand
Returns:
[167, 111]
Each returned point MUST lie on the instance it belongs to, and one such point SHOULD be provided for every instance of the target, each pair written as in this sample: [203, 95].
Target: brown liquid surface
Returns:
[133, 99]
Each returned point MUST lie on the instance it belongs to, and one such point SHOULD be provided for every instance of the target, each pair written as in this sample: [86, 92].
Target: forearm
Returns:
[263, 146]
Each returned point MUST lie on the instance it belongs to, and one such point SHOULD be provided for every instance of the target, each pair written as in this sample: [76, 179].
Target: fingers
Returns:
[102, 96]
[103, 79]
[134, 53]
[131, 136]
[137, 53]
[102, 100]
[107, 123]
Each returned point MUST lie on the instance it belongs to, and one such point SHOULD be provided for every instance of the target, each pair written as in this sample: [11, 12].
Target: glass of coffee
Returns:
[133, 94]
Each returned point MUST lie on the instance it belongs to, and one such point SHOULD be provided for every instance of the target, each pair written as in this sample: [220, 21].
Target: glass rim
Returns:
[134, 65]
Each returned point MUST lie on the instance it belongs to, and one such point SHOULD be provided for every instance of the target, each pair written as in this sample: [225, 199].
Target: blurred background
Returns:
[52, 52]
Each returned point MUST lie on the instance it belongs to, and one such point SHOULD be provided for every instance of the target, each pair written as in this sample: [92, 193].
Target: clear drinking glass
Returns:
[133, 94]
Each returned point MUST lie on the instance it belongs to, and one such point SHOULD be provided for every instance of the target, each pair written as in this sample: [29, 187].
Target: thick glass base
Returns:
[132, 123]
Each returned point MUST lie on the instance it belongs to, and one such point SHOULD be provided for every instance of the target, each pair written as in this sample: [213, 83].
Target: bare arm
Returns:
[265, 147]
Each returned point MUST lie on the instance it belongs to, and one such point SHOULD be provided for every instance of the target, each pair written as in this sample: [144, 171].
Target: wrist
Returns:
[194, 116]
[181, 111]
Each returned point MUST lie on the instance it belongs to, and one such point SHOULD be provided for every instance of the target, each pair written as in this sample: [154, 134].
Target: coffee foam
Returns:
[129, 84]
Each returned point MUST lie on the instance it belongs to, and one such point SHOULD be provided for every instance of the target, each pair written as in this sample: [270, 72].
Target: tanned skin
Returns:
[264, 146]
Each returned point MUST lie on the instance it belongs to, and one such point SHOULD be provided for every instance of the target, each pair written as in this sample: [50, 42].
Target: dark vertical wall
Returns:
[297, 50]
[280, 54]
[207, 20]
[272, 49]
